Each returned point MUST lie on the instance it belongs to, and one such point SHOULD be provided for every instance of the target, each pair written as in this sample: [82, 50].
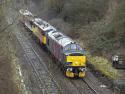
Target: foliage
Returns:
[84, 11]
[56, 5]
[104, 66]
[78, 11]
[117, 25]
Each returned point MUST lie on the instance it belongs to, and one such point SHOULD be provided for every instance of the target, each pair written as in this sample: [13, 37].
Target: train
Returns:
[71, 57]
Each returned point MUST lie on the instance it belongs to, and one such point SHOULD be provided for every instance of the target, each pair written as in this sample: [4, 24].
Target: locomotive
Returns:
[71, 56]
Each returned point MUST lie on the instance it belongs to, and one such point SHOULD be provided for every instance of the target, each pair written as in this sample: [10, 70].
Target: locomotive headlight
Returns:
[69, 69]
[82, 69]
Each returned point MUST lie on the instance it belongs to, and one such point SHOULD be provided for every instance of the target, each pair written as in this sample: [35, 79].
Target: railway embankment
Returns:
[8, 71]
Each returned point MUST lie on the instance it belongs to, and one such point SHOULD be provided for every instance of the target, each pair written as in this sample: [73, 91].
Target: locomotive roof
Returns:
[62, 39]
[43, 24]
[25, 12]
[38, 21]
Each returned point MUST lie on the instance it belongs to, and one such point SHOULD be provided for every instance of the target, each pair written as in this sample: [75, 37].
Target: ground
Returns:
[7, 67]
[6, 81]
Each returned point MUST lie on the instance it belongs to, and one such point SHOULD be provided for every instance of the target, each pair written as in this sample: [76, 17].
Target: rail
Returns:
[94, 91]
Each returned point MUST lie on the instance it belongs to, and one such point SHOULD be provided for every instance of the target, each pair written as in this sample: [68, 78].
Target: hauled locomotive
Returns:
[71, 56]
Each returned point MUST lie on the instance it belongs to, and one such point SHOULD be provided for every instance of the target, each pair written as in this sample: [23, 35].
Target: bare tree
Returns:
[56, 5]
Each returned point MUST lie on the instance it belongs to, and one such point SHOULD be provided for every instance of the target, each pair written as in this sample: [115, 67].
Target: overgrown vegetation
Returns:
[104, 66]
[106, 38]
[89, 22]
[78, 11]
[98, 25]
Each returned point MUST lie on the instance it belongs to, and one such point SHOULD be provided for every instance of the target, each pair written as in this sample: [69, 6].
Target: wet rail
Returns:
[47, 85]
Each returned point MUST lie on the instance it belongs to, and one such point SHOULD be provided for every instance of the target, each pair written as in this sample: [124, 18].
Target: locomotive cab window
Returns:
[73, 47]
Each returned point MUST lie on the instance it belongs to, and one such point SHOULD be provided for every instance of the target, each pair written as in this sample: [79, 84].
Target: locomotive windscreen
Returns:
[73, 49]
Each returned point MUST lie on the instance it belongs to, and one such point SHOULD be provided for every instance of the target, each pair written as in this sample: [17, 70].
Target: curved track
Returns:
[76, 86]
[68, 86]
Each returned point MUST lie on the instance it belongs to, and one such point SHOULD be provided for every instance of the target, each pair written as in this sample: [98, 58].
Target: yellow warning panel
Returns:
[35, 30]
[44, 39]
[77, 60]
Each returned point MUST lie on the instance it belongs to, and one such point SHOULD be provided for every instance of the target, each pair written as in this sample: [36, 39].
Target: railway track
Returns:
[45, 80]
[83, 85]
[95, 85]
[86, 88]
[92, 89]
[46, 84]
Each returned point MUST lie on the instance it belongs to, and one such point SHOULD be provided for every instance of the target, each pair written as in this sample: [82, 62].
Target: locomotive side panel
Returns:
[54, 47]
[36, 31]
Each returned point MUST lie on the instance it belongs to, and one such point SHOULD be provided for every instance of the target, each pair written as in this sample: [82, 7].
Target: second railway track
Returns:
[47, 85]
[92, 89]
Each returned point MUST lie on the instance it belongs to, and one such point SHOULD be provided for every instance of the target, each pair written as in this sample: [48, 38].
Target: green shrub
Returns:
[103, 65]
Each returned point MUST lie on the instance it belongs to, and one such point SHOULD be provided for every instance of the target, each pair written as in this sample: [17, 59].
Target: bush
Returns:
[104, 66]
[78, 11]
[83, 11]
